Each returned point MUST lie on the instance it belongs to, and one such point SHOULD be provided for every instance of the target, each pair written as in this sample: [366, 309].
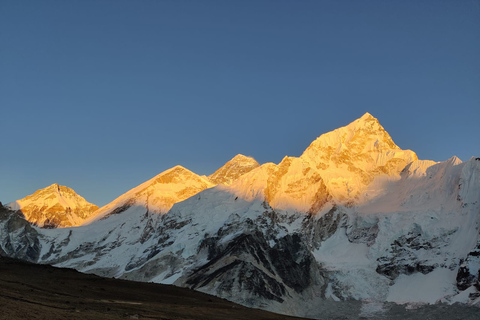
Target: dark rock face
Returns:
[469, 273]
[121, 208]
[18, 238]
[404, 257]
[251, 263]
[362, 231]
[319, 229]
[242, 263]
[292, 262]
[464, 278]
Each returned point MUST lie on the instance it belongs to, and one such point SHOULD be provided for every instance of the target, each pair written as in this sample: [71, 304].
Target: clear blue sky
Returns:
[103, 95]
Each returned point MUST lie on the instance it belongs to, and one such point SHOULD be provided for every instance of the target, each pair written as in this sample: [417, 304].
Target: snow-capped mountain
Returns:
[54, 206]
[354, 217]
[349, 158]
[338, 166]
[233, 169]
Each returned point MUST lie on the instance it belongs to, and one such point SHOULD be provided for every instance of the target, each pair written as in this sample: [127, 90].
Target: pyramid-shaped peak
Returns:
[455, 160]
[243, 158]
[54, 206]
[233, 169]
[367, 116]
[176, 168]
[364, 138]
[363, 131]
[56, 188]
[174, 175]
[367, 120]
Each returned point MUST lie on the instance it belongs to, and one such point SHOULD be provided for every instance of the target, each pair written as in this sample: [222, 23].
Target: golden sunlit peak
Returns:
[367, 117]
[177, 168]
[242, 158]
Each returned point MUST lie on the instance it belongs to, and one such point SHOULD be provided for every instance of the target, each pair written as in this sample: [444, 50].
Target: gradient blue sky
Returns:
[103, 95]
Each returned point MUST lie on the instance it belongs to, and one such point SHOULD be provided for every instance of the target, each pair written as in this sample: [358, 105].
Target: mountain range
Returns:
[354, 217]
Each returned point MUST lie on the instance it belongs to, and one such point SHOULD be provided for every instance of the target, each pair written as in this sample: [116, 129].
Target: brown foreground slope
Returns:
[29, 291]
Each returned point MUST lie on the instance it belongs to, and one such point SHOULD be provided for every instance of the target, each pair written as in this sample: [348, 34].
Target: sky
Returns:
[101, 96]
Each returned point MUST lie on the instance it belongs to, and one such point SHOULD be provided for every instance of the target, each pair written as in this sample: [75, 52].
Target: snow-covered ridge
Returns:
[158, 194]
[174, 185]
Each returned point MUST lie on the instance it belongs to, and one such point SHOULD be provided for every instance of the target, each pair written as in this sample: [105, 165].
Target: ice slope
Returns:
[54, 206]
[104, 247]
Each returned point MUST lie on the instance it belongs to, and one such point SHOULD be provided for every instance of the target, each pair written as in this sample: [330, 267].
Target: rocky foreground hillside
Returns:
[29, 291]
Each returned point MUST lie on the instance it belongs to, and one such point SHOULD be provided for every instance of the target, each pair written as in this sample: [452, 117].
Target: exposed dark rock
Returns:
[464, 278]
[468, 273]
[18, 238]
[121, 209]
[362, 230]
[318, 229]
[403, 257]
[246, 276]
[292, 260]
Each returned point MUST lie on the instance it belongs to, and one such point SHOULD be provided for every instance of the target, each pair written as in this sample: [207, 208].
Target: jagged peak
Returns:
[454, 160]
[364, 133]
[176, 169]
[367, 117]
[54, 187]
[367, 120]
[172, 175]
[54, 206]
[286, 159]
[233, 169]
[242, 158]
